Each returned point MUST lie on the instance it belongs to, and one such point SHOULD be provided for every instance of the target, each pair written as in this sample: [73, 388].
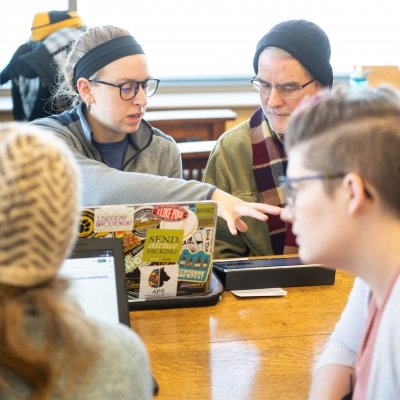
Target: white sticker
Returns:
[158, 280]
[270, 292]
[113, 218]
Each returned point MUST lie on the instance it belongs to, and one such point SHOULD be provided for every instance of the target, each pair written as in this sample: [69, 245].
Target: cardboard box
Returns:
[269, 272]
[168, 247]
[382, 74]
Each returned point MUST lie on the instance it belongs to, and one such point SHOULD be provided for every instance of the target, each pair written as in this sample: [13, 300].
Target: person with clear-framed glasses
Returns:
[122, 158]
[291, 61]
[343, 201]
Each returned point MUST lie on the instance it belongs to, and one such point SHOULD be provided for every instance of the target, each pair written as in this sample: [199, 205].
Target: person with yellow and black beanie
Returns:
[45, 23]
[49, 348]
[32, 69]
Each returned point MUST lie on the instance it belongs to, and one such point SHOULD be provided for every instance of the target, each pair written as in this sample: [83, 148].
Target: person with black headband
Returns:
[122, 158]
[291, 61]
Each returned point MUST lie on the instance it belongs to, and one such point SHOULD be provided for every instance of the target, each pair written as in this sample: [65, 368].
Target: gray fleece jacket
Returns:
[152, 165]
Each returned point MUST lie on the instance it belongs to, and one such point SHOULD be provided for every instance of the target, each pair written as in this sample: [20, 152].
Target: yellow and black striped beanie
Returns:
[45, 23]
[39, 207]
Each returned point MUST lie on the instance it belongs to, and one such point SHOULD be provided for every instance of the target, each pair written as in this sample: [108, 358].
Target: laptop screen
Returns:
[96, 273]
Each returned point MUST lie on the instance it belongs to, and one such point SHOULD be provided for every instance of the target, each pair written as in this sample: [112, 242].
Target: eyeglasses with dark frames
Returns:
[290, 192]
[284, 90]
[129, 90]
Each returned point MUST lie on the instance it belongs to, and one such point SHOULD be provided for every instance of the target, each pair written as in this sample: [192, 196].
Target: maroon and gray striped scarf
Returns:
[269, 163]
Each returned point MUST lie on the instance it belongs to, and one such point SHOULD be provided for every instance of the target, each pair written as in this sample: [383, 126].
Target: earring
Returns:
[89, 107]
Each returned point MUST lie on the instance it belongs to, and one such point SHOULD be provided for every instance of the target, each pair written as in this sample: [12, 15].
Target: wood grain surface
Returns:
[242, 349]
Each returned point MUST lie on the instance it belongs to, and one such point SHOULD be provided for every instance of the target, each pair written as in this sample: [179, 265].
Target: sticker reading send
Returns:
[163, 245]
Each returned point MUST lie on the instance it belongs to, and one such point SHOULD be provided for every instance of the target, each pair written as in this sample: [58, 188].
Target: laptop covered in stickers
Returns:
[168, 250]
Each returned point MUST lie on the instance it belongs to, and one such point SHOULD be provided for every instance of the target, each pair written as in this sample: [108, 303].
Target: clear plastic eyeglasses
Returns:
[290, 191]
[128, 90]
[285, 90]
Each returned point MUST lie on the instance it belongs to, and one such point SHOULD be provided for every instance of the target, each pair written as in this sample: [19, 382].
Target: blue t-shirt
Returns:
[113, 153]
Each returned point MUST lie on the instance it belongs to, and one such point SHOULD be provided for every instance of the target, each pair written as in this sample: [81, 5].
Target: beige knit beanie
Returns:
[38, 204]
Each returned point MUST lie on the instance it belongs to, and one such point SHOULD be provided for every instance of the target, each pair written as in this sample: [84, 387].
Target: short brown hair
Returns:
[352, 131]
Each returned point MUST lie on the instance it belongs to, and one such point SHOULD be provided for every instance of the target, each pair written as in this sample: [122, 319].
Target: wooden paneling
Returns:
[194, 157]
[191, 125]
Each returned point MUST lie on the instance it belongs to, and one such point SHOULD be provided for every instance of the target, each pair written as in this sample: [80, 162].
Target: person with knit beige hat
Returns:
[49, 349]
[38, 202]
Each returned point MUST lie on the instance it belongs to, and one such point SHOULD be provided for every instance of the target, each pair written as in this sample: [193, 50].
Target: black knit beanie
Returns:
[306, 42]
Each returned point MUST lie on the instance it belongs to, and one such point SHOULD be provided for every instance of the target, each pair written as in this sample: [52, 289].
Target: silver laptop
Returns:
[168, 250]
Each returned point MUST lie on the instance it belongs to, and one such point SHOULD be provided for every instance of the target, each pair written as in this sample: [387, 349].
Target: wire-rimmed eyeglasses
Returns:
[290, 191]
[285, 90]
[128, 90]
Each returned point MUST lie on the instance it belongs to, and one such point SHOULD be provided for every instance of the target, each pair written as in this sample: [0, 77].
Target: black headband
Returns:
[105, 54]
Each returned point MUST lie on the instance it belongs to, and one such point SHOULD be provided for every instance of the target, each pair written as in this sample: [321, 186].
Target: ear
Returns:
[355, 192]
[84, 90]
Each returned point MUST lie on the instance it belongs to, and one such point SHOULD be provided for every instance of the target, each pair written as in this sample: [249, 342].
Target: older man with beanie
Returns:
[291, 61]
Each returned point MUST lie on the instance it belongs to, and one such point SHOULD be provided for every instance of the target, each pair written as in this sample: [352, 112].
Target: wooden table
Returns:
[242, 349]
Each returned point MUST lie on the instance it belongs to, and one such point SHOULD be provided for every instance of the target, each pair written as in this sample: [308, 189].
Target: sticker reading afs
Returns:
[170, 213]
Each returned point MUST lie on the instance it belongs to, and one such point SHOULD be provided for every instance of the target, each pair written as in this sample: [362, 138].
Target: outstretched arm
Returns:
[231, 209]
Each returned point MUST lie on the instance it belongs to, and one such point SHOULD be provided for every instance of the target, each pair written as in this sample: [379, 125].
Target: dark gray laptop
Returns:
[96, 270]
